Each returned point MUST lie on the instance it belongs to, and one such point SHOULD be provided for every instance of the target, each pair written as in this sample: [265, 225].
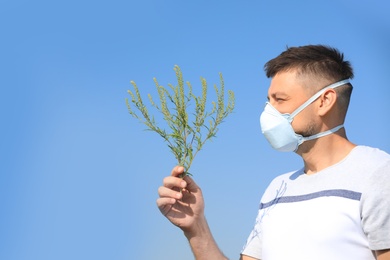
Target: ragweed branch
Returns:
[188, 131]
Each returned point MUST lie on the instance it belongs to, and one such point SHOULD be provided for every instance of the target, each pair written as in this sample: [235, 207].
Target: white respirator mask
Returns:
[277, 128]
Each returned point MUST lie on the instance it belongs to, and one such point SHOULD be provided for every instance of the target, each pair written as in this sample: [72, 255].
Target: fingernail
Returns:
[183, 184]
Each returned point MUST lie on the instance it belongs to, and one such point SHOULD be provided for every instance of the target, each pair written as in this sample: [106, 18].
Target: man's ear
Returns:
[327, 101]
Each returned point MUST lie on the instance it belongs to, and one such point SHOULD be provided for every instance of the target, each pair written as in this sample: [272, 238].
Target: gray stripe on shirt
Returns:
[325, 193]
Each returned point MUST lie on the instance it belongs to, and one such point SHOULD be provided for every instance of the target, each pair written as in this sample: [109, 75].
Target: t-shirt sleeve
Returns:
[375, 208]
[253, 244]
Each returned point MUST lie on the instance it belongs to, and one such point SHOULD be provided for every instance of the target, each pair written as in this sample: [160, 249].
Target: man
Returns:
[337, 206]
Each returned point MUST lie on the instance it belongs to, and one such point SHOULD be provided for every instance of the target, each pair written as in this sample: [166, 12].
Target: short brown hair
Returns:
[317, 60]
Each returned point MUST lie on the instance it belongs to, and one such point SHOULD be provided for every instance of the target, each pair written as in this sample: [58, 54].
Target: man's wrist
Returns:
[200, 228]
[202, 242]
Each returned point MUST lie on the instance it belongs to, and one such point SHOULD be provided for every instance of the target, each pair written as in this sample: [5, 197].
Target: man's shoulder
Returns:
[370, 149]
[367, 154]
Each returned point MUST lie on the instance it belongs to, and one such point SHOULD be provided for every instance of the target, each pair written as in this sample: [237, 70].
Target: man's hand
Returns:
[180, 200]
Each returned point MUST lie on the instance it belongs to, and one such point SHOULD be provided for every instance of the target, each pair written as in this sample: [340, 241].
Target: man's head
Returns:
[315, 66]
[300, 72]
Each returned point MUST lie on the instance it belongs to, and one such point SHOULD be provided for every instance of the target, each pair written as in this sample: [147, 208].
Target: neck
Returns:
[326, 151]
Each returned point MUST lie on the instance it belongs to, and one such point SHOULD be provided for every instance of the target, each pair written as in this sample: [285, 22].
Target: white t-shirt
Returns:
[339, 213]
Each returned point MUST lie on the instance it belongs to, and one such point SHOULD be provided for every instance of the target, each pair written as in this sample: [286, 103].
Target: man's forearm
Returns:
[203, 244]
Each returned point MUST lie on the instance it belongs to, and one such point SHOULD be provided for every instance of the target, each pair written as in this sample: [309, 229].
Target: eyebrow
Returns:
[277, 94]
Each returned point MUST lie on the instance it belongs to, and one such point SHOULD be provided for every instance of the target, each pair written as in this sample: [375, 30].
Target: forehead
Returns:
[286, 84]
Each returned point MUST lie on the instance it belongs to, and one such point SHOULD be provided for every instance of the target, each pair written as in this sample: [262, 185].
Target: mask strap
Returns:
[328, 132]
[319, 93]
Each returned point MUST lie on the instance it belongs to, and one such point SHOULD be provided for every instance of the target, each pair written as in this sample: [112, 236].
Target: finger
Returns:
[174, 182]
[164, 192]
[165, 205]
[177, 170]
[164, 202]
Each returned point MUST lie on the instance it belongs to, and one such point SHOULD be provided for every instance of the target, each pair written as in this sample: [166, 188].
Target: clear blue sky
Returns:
[79, 176]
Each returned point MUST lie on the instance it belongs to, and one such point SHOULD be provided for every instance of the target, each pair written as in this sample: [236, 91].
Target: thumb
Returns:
[191, 184]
